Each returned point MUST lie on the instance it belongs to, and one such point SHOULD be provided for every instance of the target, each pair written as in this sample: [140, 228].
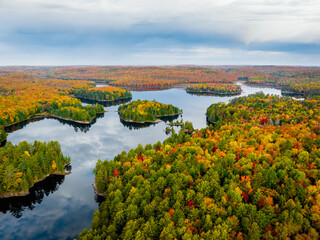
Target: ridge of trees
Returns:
[146, 77]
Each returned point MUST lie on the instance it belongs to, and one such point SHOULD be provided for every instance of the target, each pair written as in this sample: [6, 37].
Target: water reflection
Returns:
[99, 199]
[106, 104]
[170, 118]
[2, 143]
[213, 94]
[146, 88]
[76, 126]
[16, 205]
[292, 94]
[133, 125]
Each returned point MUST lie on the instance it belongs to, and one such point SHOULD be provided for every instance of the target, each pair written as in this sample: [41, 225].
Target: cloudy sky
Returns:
[162, 32]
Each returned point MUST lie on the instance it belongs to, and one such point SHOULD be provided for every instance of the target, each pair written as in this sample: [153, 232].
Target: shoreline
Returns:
[213, 93]
[157, 121]
[102, 101]
[131, 121]
[25, 193]
[47, 115]
[94, 186]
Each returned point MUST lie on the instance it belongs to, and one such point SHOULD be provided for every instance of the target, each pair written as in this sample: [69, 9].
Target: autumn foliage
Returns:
[23, 96]
[104, 94]
[215, 89]
[238, 179]
[143, 77]
[24, 164]
[146, 111]
[296, 80]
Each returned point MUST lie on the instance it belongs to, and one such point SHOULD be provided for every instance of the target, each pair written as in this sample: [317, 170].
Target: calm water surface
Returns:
[61, 207]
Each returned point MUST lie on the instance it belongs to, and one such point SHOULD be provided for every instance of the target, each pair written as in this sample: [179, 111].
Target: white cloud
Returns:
[66, 32]
[247, 20]
[222, 56]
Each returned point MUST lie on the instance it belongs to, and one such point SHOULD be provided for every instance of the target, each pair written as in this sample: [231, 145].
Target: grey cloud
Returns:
[117, 31]
[242, 19]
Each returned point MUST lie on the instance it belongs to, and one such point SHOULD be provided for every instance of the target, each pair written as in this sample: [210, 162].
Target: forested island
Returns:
[143, 111]
[218, 89]
[103, 94]
[243, 178]
[23, 165]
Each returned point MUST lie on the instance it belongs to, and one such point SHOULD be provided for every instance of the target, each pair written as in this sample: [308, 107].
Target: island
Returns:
[23, 165]
[219, 89]
[144, 111]
[102, 94]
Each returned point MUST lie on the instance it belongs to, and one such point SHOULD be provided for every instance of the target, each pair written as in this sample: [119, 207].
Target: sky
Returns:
[160, 32]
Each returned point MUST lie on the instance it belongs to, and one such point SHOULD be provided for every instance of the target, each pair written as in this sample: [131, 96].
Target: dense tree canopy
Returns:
[260, 108]
[144, 76]
[305, 89]
[215, 89]
[24, 164]
[146, 111]
[245, 178]
[104, 94]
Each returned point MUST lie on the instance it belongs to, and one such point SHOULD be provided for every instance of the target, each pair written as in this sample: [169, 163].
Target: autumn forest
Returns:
[252, 172]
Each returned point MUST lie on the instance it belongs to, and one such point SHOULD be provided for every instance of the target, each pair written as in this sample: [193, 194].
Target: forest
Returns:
[23, 165]
[259, 108]
[22, 97]
[137, 76]
[219, 89]
[306, 79]
[252, 173]
[103, 94]
[245, 177]
[142, 111]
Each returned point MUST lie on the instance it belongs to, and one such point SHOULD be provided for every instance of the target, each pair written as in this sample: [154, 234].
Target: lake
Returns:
[62, 206]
